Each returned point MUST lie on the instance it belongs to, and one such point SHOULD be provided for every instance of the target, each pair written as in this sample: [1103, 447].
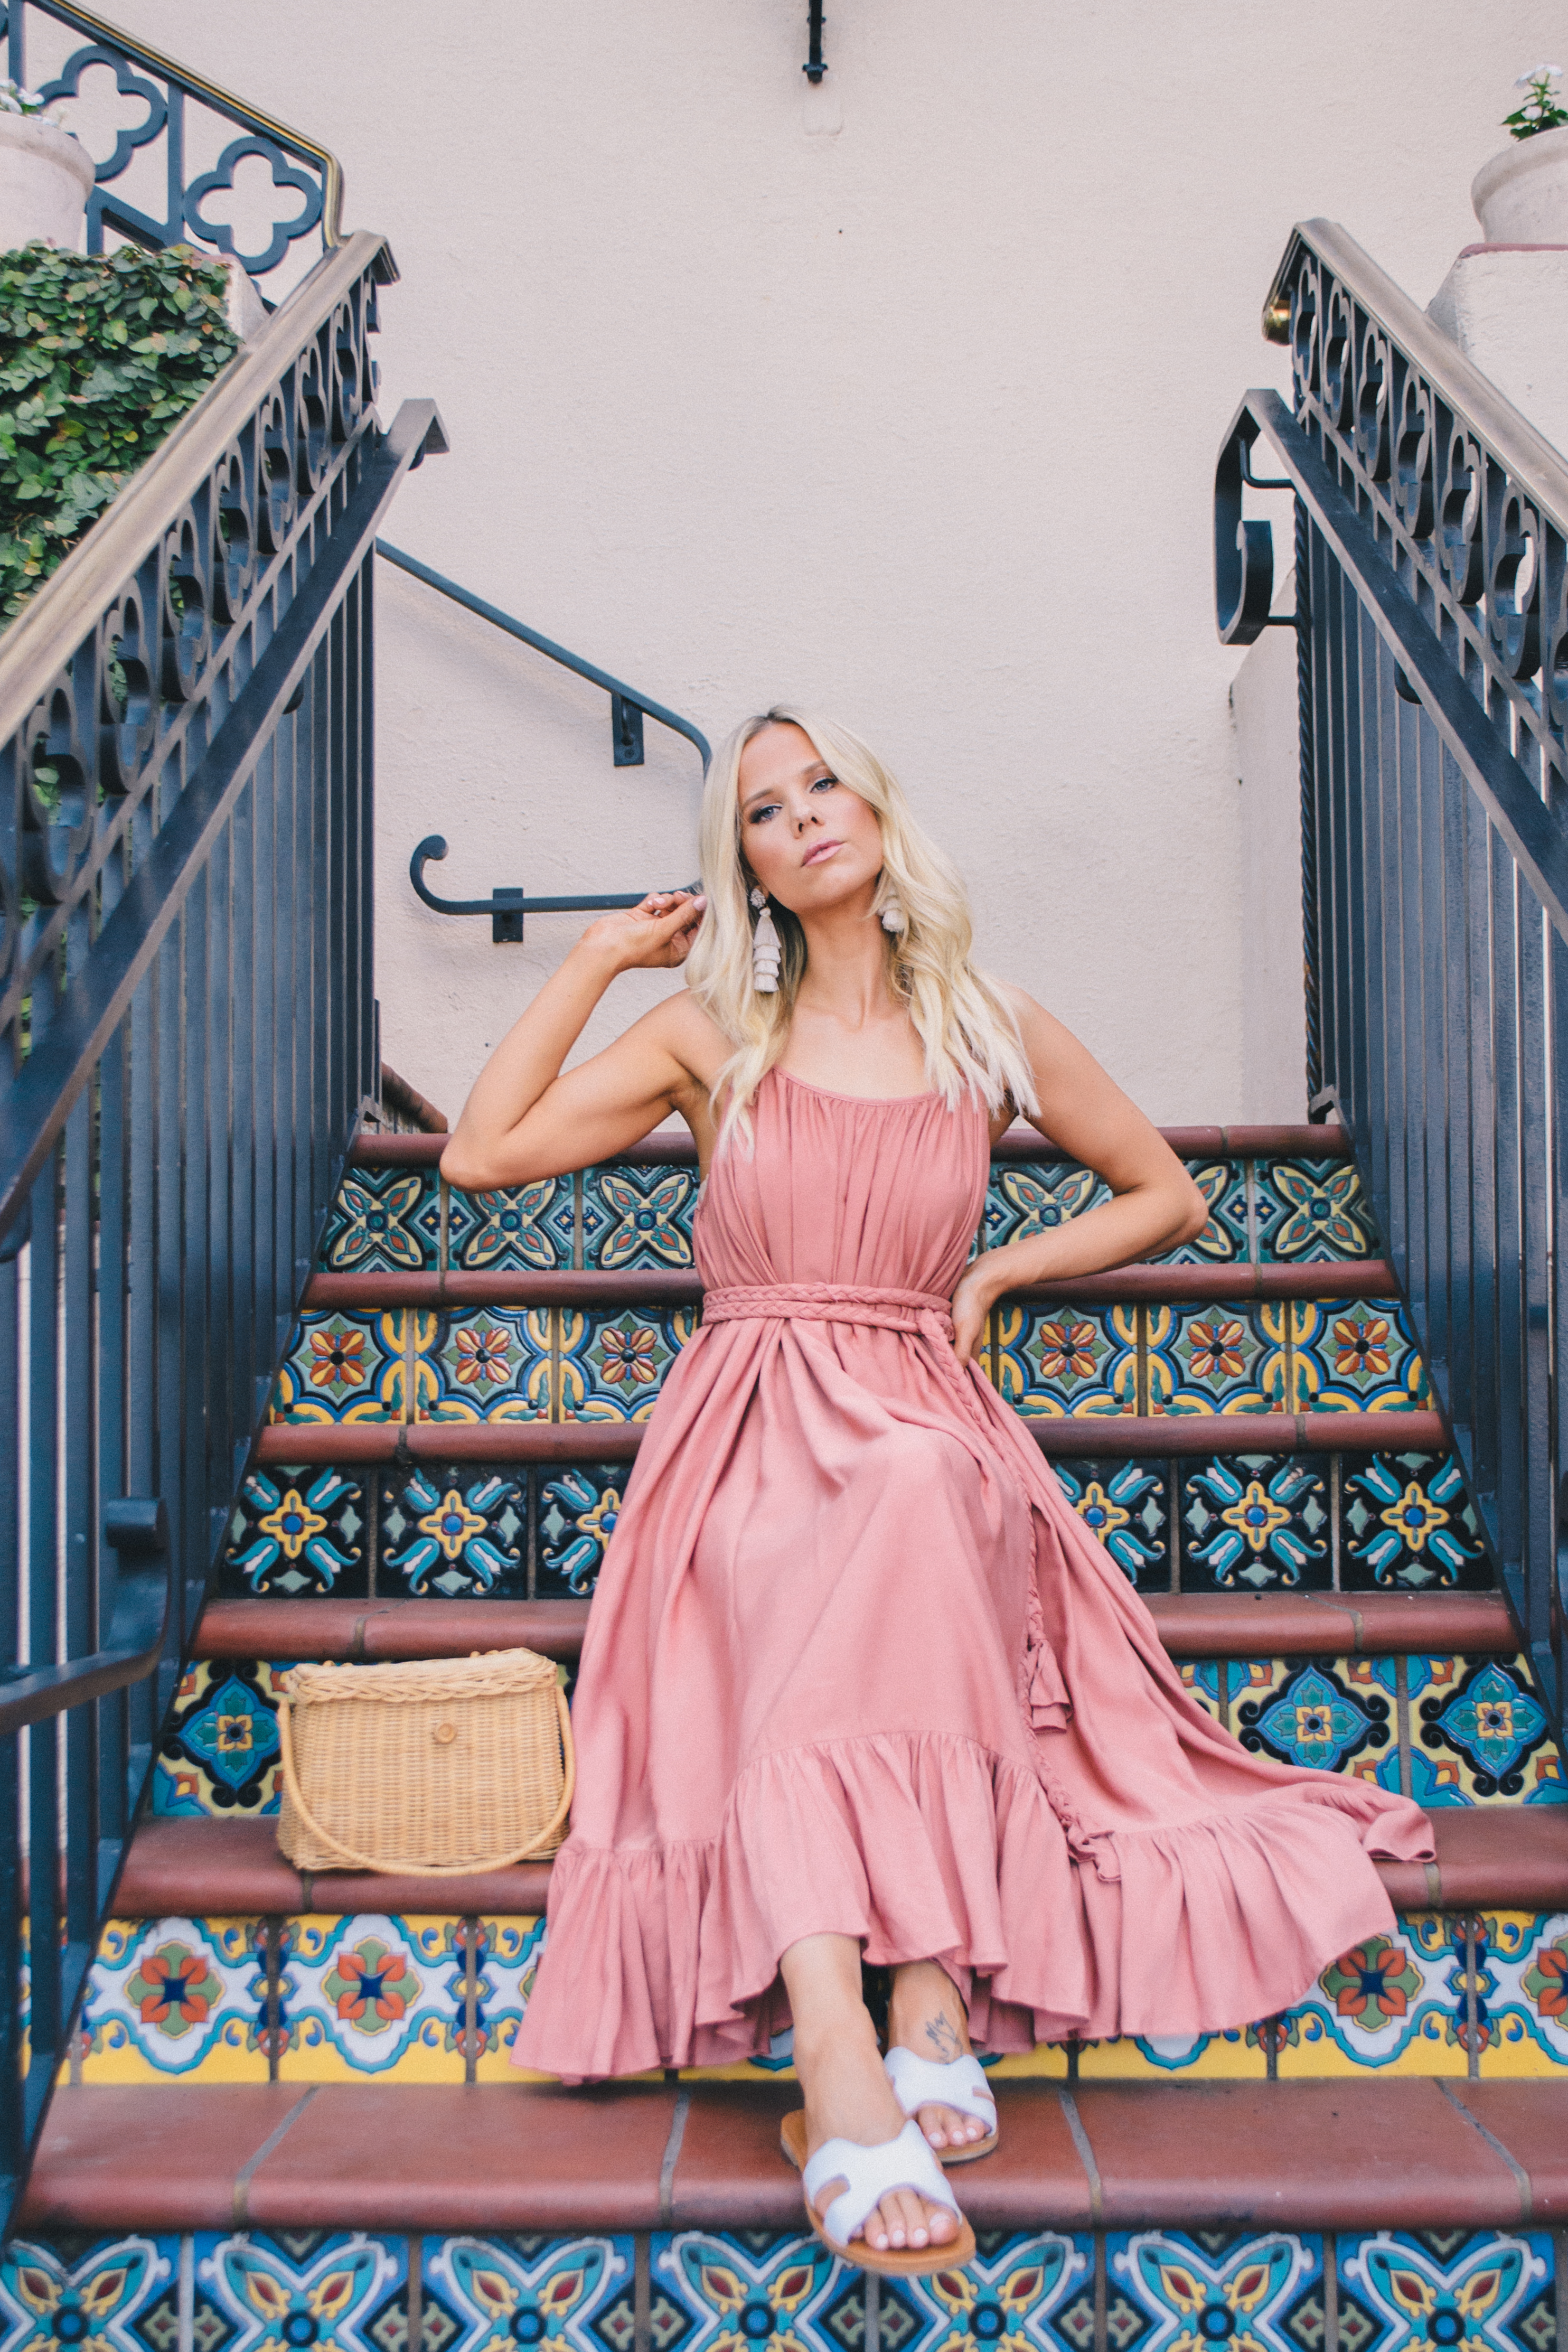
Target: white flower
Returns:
[1538, 73]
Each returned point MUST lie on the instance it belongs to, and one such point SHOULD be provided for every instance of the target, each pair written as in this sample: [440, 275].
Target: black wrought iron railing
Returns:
[190, 1036]
[178, 159]
[1431, 606]
[508, 905]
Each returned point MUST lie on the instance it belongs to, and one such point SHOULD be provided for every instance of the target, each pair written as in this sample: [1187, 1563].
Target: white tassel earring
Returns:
[892, 918]
[766, 955]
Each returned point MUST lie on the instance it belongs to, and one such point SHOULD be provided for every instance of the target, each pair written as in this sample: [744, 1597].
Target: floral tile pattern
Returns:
[612, 1365]
[556, 2291]
[1062, 1361]
[1028, 1198]
[1184, 2292]
[384, 1220]
[1226, 1237]
[507, 1956]
[1358, 1356]
[1396, 2001]
[1332, 1715]
[1126, 1506]
[1481, 1725]
[1313, 1209]
[578, 1509]
[1256, 1521]
[219, 1753]
[452, 1529]
[108, 2297]
[511, 1232]
[488, 1363]
[344, 1367]
[1407, 1521]
[300, 2287]
[176, 1999]
[638, 1217]
[366, 1994]
[1223, 1359]
[1403, 2291]
[299, 1531]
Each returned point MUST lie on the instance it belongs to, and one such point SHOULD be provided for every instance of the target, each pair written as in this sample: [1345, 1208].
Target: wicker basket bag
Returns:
[441, 1767]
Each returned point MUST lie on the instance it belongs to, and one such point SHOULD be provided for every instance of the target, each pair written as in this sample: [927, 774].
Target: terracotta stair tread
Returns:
[209, 1869]
[1327, 2155]
[676, 1148]
[1191, 1626]
[1512, 1857]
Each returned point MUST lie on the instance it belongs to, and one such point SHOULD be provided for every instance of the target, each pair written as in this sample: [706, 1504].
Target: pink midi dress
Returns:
[856, 1667]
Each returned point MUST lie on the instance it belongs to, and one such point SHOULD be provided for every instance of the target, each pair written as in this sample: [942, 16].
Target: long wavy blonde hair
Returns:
[961, 1017]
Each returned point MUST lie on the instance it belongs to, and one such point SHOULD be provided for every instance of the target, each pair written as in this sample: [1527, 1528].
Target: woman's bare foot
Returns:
[848, 2094]
[925, 2014]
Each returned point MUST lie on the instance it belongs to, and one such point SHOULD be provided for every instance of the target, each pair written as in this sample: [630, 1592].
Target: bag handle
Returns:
[528, 1852]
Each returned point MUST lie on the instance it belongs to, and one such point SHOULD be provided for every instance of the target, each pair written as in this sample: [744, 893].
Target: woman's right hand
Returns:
[655, 935]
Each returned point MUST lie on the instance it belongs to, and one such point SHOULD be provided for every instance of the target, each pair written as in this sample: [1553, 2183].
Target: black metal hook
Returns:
[814, 67]
[507, 906]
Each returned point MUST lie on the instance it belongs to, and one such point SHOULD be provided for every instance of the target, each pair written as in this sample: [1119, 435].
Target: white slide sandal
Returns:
[906, 2162]
[960, 2084]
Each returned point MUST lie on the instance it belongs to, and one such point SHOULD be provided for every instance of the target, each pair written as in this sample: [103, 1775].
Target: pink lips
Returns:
[823, 849]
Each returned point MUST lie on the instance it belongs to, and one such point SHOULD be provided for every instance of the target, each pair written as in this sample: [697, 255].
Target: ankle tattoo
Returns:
[943, 2036]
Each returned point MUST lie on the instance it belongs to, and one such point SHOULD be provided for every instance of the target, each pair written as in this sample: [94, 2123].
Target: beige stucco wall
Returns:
[913, 419]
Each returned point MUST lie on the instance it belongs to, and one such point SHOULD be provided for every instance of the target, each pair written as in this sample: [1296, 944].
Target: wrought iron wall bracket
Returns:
[508, 906]
[814, 67]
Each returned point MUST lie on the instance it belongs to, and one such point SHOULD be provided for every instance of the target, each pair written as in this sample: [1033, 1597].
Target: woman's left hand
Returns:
[972, 1302]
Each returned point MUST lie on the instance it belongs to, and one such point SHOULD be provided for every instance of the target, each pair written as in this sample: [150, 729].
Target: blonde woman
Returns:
[858, 1683]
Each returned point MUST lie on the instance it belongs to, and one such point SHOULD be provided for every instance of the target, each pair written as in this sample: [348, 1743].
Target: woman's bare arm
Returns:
[1153, 1205]
[524, 1119]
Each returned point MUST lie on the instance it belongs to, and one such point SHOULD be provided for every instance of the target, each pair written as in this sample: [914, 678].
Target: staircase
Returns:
[266, 2061]
[272, 1392]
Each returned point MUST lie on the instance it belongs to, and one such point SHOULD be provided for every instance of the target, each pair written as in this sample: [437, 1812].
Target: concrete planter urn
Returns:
[1521, 196]
[46, 176]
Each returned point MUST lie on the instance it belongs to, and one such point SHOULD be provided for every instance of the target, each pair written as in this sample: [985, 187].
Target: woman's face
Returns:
[809, 841]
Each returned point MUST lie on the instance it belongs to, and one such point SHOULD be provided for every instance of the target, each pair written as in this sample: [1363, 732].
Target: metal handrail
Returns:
[616, 687]
[136, 1528]
[222, 101]
[70, 601]
[1532, 460]
[506, 906]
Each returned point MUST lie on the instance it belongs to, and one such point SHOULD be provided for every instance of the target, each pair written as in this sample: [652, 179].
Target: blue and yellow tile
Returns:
[518, 1230]
[488, 1363]
[1256, 1522]
[175, 2001]
[1226, 1357]
[578, 1509]
[612, 1365]
[1264, 2290]
[1024, 2288]
[1179, 2058]
[1406, 1521]
[1226, 1237]
[1063, 1362]
[366, 1996]
[121, 2295]
[638, 1218]
[1407, 2291]
[1525, 1959]
[219, 1750]
[1354, 1356]
[1024, 1198]
[506, 1957]
[1313, 1211]
[1126, 1506]
[343, 1367]
[452, 1529]
[384, 1221]
[295, 1532]
[1484, 1732]
[1394, 2003]
[330, 2288]
[571, 2294]
[1335, 1715]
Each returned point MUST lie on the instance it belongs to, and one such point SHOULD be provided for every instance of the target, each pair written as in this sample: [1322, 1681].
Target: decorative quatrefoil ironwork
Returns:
[285, 174]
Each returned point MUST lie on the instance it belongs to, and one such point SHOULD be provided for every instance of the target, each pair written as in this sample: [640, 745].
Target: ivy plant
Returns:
[99, 358]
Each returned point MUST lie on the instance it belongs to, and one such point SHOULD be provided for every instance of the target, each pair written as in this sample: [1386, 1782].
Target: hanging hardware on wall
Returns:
[814, 67]
[507, 906]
